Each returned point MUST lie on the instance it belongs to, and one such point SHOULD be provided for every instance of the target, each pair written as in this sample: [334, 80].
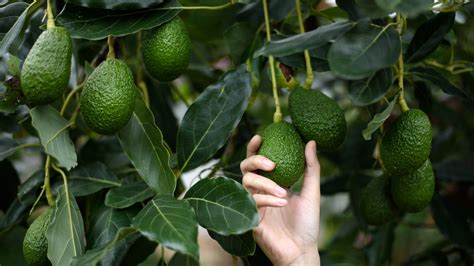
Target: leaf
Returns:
[380, 249]
[370, 90]
[65, 233]
[364, 50]
[334, 185]
[8, 147]
[378, 120]
[238, 38]
[223, 206]
[116, 4]
[452, 221]
[53, 134]
[94, 256]
[26, 192]
[170, 222]
[15, 214]
[238, 245]
[128, 194]
[13, 64]
[428, 36]
[90, 178]
[182, 260]
[143, 143]
[370, 9]
[437, 79]
[9, 15]
[351, 9]
[207, 124]
[412, 8]
[454, 170]
[96, 24]
[19, 26]
[11, 247]
[308, 40]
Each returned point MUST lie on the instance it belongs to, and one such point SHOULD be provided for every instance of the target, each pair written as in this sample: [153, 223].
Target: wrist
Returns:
[309, 256]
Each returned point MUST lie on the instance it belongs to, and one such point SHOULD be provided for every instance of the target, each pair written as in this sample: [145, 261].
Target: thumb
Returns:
[311, 182]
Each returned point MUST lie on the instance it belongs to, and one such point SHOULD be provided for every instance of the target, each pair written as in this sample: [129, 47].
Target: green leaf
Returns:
[53, 133]
[170, 222]
[333, 185]
[116, 4]
[378, 120]
[26, 192]
[308, 40]
[372, 89]
[207, 124]
[238, 245]
[128, 194]
[11, 243]
[143, 143]
[8, 147]
[437, 79]
[65, 233]
[96, 24]
[13, 64]
[351, 9]
[370, 9]
[380, 249]
[90, 178]
[223, 206]
[364, 50]
[428, 36]
[238, 38]
[14, 215]
[9, 15]
[409, 8]
[182, 260]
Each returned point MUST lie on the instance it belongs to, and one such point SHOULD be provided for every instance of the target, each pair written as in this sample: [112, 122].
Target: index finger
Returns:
[253, 145]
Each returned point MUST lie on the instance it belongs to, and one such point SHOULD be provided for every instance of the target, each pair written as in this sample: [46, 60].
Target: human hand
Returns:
[288, 231]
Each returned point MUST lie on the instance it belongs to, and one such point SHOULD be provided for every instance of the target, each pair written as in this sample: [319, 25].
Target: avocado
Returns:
[406, 144]
[35, 243]
[317, 117]
[413, 192]
[47, 67]
[166, 50]
[376, 204]
[282, 145]
[108, 97]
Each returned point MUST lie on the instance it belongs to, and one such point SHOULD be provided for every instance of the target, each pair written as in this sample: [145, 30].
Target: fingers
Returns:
[269, 201]
[253, 145]
[254, 182]
[256, 162]
[311, 182]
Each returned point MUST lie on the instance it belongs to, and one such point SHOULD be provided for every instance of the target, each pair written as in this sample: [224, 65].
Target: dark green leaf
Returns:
[380, 249]
[370, 9]
[96, 24]
[238, 38]
[334, 185]
[238, 245]
[9, 15]
[65, 233]
[53, 133]
[223, 206]
[116, 4]
[308, 40]
[364, 50]
[452, 170]
[428, 36]
[351, 9]
[105, 150]
[411, 8]
[88, 179]
[207, 124]
[143, 143]
[128, 194]
[182, 260]
[26, 191]
[11, 243]
[8, 147]
[15, 214]
[372, 89]
[437, 79]
[10, 182]
[170, 222]
[378, 120]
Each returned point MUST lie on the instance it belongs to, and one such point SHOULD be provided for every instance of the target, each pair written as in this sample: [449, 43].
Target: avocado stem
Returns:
[110, 43]
[309, 69]
[47, 184]
[401, 100]
[49, 10]
[277, 116]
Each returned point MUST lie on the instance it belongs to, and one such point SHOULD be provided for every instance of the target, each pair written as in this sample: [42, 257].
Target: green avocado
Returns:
[282, 145]
[317, 117]
[413, 192]
[47, 67]
[166, 50]
[35, 243]
[406, 144]
[376, 204]
[108, 98]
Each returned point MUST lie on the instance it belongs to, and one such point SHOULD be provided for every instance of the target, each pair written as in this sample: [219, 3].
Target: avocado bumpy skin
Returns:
[47, 67]
[376, 204]
[317, 117]
[406, 145]
[35, 243]
[166, 50]
[413, 192]
[282, 144]
[108, 97]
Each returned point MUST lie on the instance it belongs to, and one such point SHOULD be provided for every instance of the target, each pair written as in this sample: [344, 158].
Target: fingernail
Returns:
[281, 202]
[268, 163]
[280, 191]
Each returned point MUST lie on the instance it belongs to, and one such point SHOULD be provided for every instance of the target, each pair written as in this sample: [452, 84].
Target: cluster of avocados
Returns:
[408, 183]
[108, 96]
[315, 117]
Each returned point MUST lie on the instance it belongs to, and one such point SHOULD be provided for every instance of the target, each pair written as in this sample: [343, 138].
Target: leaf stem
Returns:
[277, 116]
[49, 10]
[61, 172]
[401, 99]
[202, 7]
[309, 69]
[47, 184]
[68, 99]
[110, 43]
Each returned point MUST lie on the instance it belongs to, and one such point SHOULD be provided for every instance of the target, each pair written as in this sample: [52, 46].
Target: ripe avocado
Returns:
[406, 144]
[47, 67]
[317, 117]
[376, 204]
[282, 145]
[413, 192]
[35, 243]
[108, 98]
[166, 50]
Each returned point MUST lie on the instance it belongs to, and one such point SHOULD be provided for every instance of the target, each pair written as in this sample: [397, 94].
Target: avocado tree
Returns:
[123, 125]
